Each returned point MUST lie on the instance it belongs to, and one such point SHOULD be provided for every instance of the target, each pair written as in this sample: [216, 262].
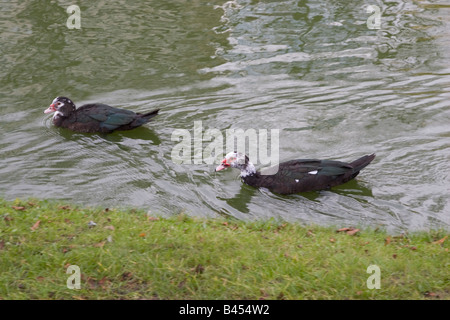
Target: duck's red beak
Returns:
[223, 165]
[51, 108]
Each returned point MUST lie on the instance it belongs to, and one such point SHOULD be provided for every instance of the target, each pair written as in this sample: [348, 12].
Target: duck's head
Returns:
[239, 161]
[62, 107]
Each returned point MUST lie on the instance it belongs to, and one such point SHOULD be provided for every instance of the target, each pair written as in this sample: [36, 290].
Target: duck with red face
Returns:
[300, 175]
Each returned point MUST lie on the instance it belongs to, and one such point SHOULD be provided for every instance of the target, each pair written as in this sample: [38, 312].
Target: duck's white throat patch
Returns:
[249, 170]
[58, 114]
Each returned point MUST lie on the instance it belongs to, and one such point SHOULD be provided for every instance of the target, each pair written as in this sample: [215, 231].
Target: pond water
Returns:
[316, 71]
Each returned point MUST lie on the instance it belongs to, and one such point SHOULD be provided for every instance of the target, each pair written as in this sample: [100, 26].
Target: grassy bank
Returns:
[130, 255]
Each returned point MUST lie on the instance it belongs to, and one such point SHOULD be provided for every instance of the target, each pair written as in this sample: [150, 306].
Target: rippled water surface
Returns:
[311, 69]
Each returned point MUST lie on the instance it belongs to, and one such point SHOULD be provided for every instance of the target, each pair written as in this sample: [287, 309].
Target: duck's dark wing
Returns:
[304, 175]
[302, 168]
[102, 117]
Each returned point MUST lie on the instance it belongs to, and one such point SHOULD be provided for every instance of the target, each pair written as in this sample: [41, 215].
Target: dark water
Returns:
[311, 69]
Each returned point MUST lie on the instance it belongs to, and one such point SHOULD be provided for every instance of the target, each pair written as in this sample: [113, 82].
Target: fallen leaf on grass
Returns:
[231, 226]
[18, 208]
[92, 283]
[431, 295]
[36, 225]
[142, 234]
[199, 269]
[126, 275]
[441, 241]
[64, 207]
[350, 231]
[264, 295]
[281, 296]
[332, 240]
[100, 244]
[152, 218]
[181, 284]
[387, 241]
[109, 228]
[104, 282]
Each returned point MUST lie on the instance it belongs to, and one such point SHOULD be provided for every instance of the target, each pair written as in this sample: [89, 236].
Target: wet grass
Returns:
[131, 255]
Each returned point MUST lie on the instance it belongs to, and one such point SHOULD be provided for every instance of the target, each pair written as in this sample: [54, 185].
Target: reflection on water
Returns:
[313, 70]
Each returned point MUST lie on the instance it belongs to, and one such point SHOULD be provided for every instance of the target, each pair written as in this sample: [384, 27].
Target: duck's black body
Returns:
[308, 175]
[301, 175]
[102, 118]
[96, 117]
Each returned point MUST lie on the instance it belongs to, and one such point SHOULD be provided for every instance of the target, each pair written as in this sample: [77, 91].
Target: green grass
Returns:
[128, 255]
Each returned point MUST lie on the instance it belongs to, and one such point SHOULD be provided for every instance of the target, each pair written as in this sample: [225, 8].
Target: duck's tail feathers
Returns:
[149, 115]
[362, 162]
